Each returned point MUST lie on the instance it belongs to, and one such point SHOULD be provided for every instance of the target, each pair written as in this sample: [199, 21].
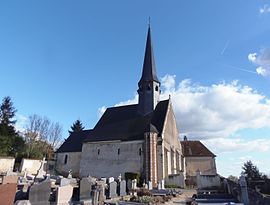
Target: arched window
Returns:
[66, 158]
[118, 151]
[156, 88]
[98, 151]
[140, 151]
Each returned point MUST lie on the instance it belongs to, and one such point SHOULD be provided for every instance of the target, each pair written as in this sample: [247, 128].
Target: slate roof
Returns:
[74, 142]
[195, 149]
[149, 67]
[119, 123]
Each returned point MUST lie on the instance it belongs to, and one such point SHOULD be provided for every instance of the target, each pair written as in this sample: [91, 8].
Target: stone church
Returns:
[139, 138]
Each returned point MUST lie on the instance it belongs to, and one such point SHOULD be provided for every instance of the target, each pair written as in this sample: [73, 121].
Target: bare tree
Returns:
[55, 135]
[42, 136]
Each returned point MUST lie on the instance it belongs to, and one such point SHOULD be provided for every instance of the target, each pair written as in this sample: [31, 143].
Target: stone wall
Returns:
[170, 132]
[72, 163]
[31, 165]
[208, 181]
[176, 180]
[171, 147]
[109, 159]
[6, 164]
[206, 165]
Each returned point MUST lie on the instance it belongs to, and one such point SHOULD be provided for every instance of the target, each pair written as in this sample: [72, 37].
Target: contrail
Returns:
[242, 69]
[225, 47]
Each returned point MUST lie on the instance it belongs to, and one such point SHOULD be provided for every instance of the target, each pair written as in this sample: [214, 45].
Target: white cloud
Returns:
[220, 145]
[168, 82]
[214, 111]
[128, 102]
[265, 9]
[252, 57]
[262, 60]
[100, 111]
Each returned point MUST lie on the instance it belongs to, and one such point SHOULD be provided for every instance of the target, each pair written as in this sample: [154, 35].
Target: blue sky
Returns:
[72, 59]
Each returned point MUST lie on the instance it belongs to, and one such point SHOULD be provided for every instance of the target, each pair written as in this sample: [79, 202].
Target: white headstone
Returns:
[103, 179]
[162, 184]
[112, 190]
[159, 185]
[150, 186]
[111, 179]
[134, 184]
[64, 194]
[120, 178]
[122, 188]
[41, 172]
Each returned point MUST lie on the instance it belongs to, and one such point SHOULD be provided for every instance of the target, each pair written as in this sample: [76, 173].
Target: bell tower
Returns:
[149, 85]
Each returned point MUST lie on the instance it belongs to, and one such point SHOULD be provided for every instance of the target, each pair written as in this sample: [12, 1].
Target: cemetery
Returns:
[41, 187]
[38, 187]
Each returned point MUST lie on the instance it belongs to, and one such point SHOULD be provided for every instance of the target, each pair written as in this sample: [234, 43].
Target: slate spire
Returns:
[149, 85]
[149, 66]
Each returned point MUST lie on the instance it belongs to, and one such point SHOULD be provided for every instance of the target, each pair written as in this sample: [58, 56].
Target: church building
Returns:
[139, 138]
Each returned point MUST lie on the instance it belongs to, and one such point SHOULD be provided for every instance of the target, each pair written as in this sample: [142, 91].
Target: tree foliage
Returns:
[76, 127]
[7, 112]
[11, 144]
[251, 171]
[233, 178]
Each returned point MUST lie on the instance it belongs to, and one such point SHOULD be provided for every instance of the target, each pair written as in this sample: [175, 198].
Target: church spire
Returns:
[149, 85]
[149, 66]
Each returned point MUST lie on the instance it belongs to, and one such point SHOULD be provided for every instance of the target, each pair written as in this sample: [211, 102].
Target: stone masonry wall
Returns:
[110, 159]
[206, 165]
[73, 163]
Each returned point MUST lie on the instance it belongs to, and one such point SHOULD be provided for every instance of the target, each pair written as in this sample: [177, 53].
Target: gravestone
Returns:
[150, 186]
[41, 173]
[95, 197]
[10, 179]
[69, 174]
[101, 188]
[159, 185]
[162, 184]
[22, 202]
[64, 194]
[40, 193]
[119, 177]
[7, 193]
[129, 185]
[86, 185]
[122, 188]
[134, 184]
[244, 190]
[112, 190]
[111, 179]
[64, 182]
[103, 179]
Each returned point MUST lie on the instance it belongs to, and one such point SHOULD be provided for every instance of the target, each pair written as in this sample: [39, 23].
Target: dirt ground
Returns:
[186, 196]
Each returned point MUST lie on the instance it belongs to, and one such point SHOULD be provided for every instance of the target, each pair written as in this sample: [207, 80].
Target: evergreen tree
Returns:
[251, 171]
[10, 141]
[7, 112]
[76, 127]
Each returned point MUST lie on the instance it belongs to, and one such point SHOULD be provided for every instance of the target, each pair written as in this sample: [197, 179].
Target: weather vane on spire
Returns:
[149, 21]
